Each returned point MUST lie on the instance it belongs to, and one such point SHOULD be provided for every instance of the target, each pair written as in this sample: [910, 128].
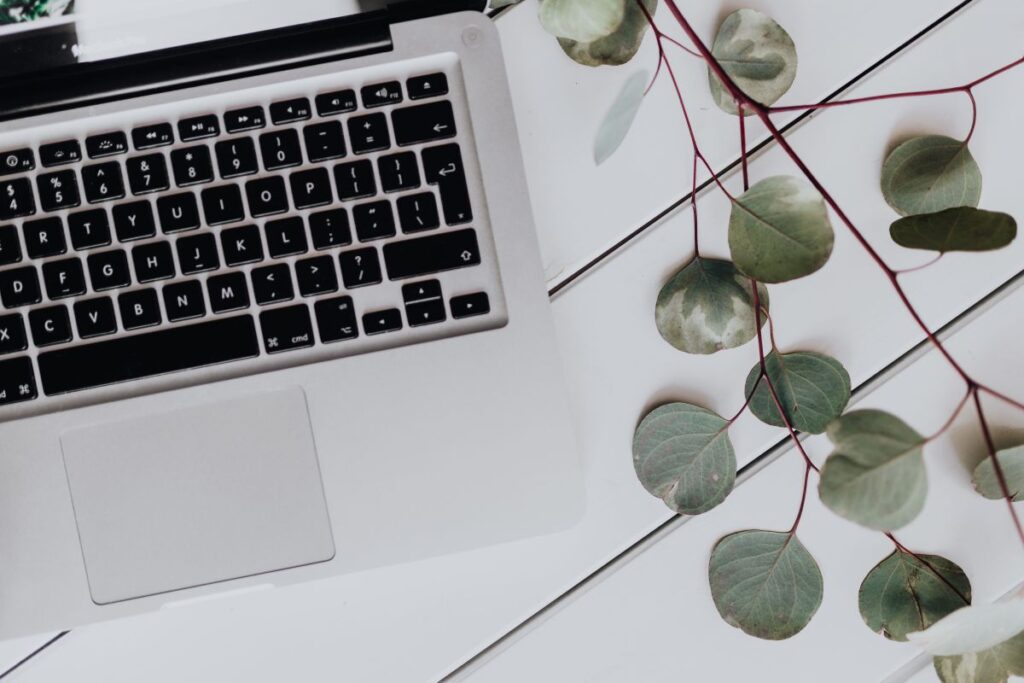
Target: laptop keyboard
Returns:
[245, 232]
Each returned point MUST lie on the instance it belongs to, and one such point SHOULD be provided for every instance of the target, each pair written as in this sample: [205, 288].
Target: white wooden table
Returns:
[623, 596]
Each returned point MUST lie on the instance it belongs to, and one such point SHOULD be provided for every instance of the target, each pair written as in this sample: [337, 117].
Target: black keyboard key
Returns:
[17, 380]
[418, 212]
[330, 229]
[242, 245]
[153, 261]
[421, 291]
[316, 276]
[50, 325]
[280, 149]
[192, 165]
[178, 212]
[424, 123]
[198, 127]
[442, 166]
[19, 287]
[290, 111]
[10, 247]
[44, 237]
[311, 188]
[266, 196]
[228, 292]
[134, 221]
[16, 198]
[286, 237]
[57, 153]
[236, 157]
[433, 254]
[336, 319]
[198, 253]
[58, 190]
[222, 204]
[157, 135]
[324, 141]
[64, 278]
[431, 85]
[470, 305]
[285, 329]
[360, 267]
[95, 317]
[399, 172]
[271, 284]
[340, 102]
[106, 144]
[17, 161]
[355, 180]
[145, 355]
[425, 312]
[381, 94]
[374, 220]
[139, 309]
[89, 229]
[369, 133]
[184, 301]
[147, 174]
[108, 270]
[12, 333]
[378, 322]
[247, 118]
[103, 182]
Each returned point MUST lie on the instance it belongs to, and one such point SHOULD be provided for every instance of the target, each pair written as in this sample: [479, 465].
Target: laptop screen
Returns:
[38, 35]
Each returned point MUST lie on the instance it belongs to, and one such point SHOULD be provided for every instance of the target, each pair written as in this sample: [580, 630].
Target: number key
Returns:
[280, 149]
[16, 198]
[58, 190]
[192, 165]
[147, 174]
[236, 157]
[103, 182]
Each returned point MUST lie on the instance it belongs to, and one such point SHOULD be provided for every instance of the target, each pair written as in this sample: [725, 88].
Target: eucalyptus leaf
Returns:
[708, 306]
[959, 229]
[930, 173]
[876, 475]
[582, 20]
[972, 629]
[903, 594]
[617, 48]
[813, 389]
[499, 4]
[994, 665]
[1011, 461]
[683, 455]
[758, 55]
[779, 230]
[620, 117]
[765, 583]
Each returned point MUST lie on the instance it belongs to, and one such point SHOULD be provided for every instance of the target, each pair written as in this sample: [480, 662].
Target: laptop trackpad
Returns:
[198, 495]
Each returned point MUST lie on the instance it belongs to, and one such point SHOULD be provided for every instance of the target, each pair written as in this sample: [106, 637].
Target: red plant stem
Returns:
[743, 146]
[971, 391]
[746, 403]
[926, 264]
[803, 501]
[1004, 487]
[923, 560]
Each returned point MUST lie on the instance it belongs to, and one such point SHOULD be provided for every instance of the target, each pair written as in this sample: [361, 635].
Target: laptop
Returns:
[271, 302]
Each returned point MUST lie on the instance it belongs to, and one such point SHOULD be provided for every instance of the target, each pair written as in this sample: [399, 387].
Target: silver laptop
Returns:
[271, 304]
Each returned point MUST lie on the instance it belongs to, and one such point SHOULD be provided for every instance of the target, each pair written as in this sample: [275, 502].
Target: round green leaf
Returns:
[758, 55]
[620, 117]
[902, 594]
[960, 229]
[994, 665]
[929, 174]
[813, 389]
[779, 230]
[708, 306]
[1011, 461]
[617, 48]
[875, 476]
[583, 20]
[765, 583]
[682, 454]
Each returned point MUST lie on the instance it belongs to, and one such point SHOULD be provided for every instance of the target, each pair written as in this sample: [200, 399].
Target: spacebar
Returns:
[146, 355]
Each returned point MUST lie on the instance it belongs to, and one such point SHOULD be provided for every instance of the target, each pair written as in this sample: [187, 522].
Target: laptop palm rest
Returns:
[198, 495]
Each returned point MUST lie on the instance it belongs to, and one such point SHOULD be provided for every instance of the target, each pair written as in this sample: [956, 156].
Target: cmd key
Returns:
[17, 380]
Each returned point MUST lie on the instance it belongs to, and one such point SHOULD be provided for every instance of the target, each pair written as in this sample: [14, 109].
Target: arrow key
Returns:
[379, 322]
[470, 305]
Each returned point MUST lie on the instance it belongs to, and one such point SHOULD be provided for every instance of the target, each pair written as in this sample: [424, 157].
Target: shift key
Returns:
[433, 254]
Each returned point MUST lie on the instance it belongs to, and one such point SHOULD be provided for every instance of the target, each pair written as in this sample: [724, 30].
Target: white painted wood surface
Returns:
[417, 622]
